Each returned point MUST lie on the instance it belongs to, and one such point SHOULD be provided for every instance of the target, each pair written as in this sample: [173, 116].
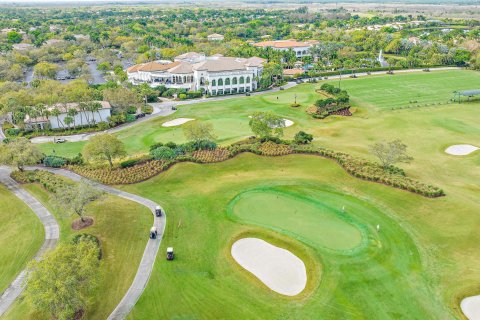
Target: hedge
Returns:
[357, 167]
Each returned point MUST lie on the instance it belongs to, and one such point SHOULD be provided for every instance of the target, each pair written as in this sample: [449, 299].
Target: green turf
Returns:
[422, 263]
[401, 273]
[21, 236]
[230, 117]
[319, 221]
[121, 227]
[409, 89]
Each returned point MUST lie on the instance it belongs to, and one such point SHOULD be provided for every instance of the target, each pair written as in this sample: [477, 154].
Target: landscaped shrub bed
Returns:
[208, 156]
[357, 167]
[270, 148]
[337, 103]
[133, 174]
[366, 170]
[48, 180]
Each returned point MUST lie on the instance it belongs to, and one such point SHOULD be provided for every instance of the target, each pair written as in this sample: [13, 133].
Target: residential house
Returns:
[215, 37]
[82, 118]
[301, 49]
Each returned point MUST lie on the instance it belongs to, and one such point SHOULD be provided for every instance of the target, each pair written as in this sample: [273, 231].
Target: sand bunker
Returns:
[176, 122]
[277, 268]
[288, 123]
[461, 149]
[471, 307]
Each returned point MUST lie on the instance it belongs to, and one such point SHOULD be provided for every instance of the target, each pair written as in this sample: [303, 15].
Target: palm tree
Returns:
[56, 112]
[96, 107]
[72, 112]
[83, 110]
[68, 120]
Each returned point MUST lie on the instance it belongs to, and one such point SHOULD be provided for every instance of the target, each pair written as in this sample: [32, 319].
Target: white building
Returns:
[215, 37]
[301, 49]
[216, 75]
[82, 118]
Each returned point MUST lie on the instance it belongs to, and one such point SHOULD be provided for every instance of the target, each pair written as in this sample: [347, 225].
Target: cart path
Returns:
[52, 233]
[149, 255]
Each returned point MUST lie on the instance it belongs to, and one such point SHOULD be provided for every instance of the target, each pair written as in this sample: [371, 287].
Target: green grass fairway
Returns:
[404, 271]
[121, 227]
[230, 117]
[398, 90]
[21, 236]
[319, 221]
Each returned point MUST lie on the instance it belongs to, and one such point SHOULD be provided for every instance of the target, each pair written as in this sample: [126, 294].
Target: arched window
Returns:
[214, 83]
[248, 79]
[242, 80]
[227, 81]
[234, 80]
[220, 82]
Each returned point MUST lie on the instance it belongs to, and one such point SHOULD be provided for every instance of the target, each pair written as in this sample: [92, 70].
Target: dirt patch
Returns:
[79, 224]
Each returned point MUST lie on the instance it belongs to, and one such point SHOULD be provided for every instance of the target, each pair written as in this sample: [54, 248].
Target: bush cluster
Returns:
[54, 161]
[208, 156]
[47, 179]
[137, 173]
[270, 148]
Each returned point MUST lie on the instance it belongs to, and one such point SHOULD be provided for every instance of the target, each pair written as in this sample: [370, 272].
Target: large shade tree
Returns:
[104, 147]
[19, 152]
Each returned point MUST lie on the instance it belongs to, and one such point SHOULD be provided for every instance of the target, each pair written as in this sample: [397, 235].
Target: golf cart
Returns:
[153, 233]
[59, 140]
[169, 253]
[158, 211]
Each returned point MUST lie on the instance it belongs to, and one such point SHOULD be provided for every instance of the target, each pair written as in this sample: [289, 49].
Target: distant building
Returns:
[292, 72]
[215, 37]
[83, 118]
[216, 75]
[22, 46]
[301, 49]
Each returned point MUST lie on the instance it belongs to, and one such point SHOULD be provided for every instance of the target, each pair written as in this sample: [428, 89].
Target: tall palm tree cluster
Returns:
[86, 110]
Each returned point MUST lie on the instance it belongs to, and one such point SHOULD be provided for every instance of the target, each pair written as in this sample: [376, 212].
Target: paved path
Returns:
[148, 259]
[52, 233]
[162, 109]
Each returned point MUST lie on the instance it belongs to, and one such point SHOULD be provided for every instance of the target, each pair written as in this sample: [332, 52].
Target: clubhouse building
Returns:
[217, 75]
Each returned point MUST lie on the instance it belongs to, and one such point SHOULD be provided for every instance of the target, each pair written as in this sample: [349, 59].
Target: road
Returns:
[151, 249]
[52, 233]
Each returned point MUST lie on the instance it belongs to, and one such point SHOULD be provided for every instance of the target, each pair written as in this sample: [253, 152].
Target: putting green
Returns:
[318, 221]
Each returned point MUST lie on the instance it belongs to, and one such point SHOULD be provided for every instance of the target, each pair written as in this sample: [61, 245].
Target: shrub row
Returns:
[48, 180]
[357, 167]
[133, 174]
[370, 171]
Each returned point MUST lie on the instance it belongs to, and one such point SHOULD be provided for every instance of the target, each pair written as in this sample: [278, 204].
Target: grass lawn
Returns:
[320, 223]
[21, 236]
[230, 117]
[121, 227]
[420, 265]
[404, 271]
[399, 90]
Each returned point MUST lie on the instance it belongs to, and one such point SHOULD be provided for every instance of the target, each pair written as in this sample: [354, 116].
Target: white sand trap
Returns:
[176, 122]
[461, 149]
[288, 123]
[471, 307]
[277, 268]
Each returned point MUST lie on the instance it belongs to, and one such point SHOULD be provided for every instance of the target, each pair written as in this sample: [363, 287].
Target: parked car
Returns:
[247, 94]
[174, 108]
[282, 88]
[59, 140]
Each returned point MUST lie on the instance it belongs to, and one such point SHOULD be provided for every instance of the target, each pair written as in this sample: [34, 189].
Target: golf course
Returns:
[370, 251]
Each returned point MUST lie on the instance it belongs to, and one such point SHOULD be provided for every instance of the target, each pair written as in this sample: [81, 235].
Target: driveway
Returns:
[52, 233]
